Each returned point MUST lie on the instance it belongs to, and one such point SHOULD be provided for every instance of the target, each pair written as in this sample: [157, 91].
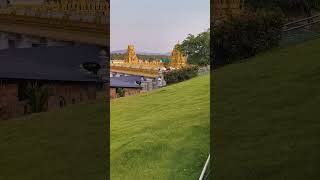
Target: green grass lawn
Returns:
[69, 144]
[163, 134]
[266, 116]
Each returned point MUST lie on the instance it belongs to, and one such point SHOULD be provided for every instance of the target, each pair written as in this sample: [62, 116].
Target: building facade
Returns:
[125, 86]
[61, 71]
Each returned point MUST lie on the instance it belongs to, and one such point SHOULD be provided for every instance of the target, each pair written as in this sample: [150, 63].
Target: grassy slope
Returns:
[65, 145]
[163, 134]
[266, 116]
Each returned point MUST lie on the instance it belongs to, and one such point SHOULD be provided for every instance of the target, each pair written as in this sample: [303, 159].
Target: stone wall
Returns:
[61, 95]
[127, 92]
[131, 91]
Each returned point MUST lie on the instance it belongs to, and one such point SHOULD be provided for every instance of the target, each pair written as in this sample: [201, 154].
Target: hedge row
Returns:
[243, 36]
[180, 75]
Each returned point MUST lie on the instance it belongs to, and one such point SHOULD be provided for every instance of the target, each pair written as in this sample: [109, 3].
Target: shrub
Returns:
[245, 35]
[180, 75]
[120, 92]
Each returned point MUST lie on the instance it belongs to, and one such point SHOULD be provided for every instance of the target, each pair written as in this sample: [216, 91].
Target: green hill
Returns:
[266, 116]
[163, 134]
[59, 145]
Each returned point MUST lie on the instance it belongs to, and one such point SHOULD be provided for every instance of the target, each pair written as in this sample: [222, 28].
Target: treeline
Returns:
[245, 35]
[117, 56]
[287, 7]
[256, 29]
[179, 75]
[197, 48]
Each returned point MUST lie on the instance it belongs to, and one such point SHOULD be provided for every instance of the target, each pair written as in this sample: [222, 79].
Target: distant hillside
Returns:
[140, 56]
[122, 51]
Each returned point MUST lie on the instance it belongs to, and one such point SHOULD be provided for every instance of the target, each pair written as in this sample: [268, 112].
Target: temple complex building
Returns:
[150, 72]
[53, 22]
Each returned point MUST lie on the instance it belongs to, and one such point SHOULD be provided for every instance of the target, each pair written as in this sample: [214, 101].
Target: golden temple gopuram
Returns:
[131, 56]
[224, 8]
[177, 59]
[133, 66]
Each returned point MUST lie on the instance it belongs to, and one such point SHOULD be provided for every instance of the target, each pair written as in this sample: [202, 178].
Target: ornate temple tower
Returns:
[224, 8]
[131, 56]
[177, 59]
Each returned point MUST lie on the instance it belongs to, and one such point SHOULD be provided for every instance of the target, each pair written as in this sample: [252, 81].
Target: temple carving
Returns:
[54, 22]
[82, 10]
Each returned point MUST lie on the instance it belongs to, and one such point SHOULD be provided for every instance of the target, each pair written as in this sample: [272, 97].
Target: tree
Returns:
[287, 6]
[197, 48]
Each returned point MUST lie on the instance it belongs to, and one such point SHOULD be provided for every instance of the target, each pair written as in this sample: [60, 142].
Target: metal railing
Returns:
[301, 30]
[301, 23]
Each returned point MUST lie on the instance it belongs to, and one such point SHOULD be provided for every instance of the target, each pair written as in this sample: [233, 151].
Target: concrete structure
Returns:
[147, 83]
[129, 85]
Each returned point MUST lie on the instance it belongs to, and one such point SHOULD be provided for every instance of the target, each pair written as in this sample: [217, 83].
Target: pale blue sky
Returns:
[156, 25]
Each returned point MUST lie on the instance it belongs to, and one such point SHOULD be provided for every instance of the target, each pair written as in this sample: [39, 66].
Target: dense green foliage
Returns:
[265, 116]
[288, 7]
[245, 35]
[163, 134]
[120, 92]
[69, 143]
[141, 57]
[197, 48]
[179, 75]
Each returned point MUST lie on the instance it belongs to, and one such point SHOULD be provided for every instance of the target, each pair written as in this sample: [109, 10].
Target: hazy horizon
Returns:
[155, 27]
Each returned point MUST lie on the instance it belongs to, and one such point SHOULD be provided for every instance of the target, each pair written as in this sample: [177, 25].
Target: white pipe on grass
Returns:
[204, 168]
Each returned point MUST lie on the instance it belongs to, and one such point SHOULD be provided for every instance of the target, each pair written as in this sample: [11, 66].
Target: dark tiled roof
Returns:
[120, 82]
[130, 78]
[61, 63]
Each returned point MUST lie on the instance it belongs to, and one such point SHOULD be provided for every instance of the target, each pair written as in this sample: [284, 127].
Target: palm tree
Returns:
[37, 97]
